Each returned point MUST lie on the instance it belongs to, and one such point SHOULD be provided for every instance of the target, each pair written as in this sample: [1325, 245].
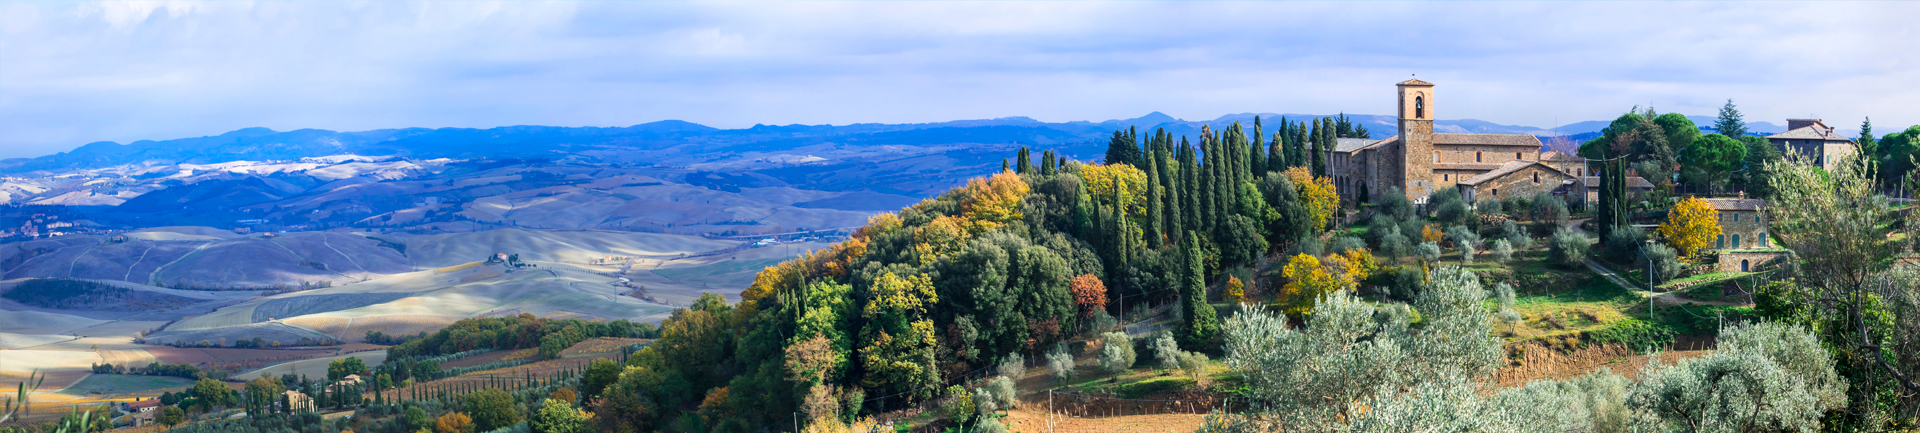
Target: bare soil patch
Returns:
[1535, 361]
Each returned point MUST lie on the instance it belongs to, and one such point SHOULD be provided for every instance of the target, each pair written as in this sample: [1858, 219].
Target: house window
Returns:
[1736, 217]
[1736, 241]
[1496, 192]
[1516, 156]
[1536, 178]
[1760, 239]
[1446, 177]
[1476, 157]
[1720, 242]
[1580, 172]
[1436, 156]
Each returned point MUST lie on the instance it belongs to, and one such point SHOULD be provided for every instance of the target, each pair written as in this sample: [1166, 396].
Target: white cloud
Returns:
[74, 73]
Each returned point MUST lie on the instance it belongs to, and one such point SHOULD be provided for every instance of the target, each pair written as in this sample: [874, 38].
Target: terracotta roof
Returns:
[137, 405]
[1415, 82]
[1469, 166]
[1736, 204]
[1505, 169]
[1814, 132]
[1487, 139]
[1555, 155]
[1633, 182]
[1352, 144]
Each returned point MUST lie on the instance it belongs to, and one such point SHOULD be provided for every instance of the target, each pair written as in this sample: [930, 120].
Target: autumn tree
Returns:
[1691, 226]
[1236, 291]
[1088, 293]
[1317, 196]
[897, 348]
[1308, 282]
[453, 422]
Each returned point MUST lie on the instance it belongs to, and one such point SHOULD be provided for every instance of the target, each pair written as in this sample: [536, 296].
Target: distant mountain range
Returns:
[673, 142]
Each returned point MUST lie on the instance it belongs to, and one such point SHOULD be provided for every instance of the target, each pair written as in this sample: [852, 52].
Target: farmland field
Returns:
[124, 383]
[316, 367]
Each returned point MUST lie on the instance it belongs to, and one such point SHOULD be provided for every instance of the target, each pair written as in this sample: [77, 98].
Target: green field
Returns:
[123, 383]
[731, 274]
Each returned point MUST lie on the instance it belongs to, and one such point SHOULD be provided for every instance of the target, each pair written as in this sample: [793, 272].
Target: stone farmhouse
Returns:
[1419, 161]
[1743, 245]
[1812, 139]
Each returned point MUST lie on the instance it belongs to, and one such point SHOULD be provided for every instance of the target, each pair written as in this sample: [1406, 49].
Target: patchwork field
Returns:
[315, 367]
[123, 384]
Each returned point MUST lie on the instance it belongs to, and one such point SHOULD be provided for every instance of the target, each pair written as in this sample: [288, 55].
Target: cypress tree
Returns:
[1153, 228]
[1170, 197]
[1046, 163]
[1257, 163]
[1024, 162]
[1276, 154]
[1297, 148]
[1199, 323]
[1322, 143]
[1004, 166]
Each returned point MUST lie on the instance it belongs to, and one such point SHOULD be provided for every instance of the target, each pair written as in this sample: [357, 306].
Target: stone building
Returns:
[1743, 223]
[1419, 161]
[1813, 139]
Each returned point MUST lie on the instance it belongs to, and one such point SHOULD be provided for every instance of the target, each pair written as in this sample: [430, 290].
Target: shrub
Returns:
[1520, 241]
[1428, 251]
[1101, 321]
[1567, 249]
[1395, 246]
[1116, 352]
[1453, 212]
[960, 404]
[1004, 394]
[1060, 363]
[1012, 367]
[1622, 245]
[1548, 213]
[1666, 262]
[1340, 246]
[984, 402]
[1166, 351]
[1394, 203]
[1379, 227]
[1195, 365]
[1501, 251]
[1488, 206]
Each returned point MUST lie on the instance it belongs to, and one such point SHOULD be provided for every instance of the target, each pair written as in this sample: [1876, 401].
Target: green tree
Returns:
[171, 416]
[1199, 324]
[601, 373]
[557, 416]
[1730, 123]
[339, 369]
[416, 419]
[212, 392]
[1712, 158]
[1123, 148]
[490, 408]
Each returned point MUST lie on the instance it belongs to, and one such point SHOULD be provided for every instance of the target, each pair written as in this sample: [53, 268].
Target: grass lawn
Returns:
[123, 383]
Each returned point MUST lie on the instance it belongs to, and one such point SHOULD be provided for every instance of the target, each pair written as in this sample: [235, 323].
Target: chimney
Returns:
[1743, 195]
[1793, 124]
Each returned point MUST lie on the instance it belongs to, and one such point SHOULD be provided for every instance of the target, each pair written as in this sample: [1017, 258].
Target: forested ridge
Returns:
[918, 299]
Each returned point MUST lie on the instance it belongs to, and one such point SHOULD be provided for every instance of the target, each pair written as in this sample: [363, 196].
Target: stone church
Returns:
[1420, 161]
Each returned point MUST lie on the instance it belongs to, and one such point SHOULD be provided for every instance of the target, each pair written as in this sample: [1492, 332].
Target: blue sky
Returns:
[72, 73]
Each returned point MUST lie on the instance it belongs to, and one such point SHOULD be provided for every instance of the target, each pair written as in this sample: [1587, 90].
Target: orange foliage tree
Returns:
[993, 201]
[1088, 293]
[1236, 291]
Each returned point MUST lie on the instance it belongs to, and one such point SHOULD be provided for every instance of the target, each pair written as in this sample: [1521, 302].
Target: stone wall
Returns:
[1743, 229]
[1755, 260]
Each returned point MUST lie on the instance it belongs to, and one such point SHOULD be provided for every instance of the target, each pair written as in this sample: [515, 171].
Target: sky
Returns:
[73, 73]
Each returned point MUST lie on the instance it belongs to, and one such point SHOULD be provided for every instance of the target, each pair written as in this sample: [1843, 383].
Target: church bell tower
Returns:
[1416, 138]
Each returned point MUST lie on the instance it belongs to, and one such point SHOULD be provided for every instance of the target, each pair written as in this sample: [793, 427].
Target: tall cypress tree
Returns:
[1122, 148]
[1189, 188]
[1277, 152]
[1205, 178]
[1321, 144]
[1199, 323]
[1024, 161]
[1297, 152]
[1171, 197]
[1046, 163]
[1257, 163]
[1153, 227]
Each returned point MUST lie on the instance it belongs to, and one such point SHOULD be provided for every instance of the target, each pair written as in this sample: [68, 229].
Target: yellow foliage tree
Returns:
[1691, 226]
[1431, 234]
[1236, 291]
[993, 201]
[1356, 265]
[1318, 195]
[1100, 180]
[942, 236]
[1308, 283]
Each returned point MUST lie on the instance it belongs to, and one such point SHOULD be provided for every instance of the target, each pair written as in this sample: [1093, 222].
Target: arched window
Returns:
[1419, 107]
[1476, 157]
[1736, 241]
[1743, 266]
